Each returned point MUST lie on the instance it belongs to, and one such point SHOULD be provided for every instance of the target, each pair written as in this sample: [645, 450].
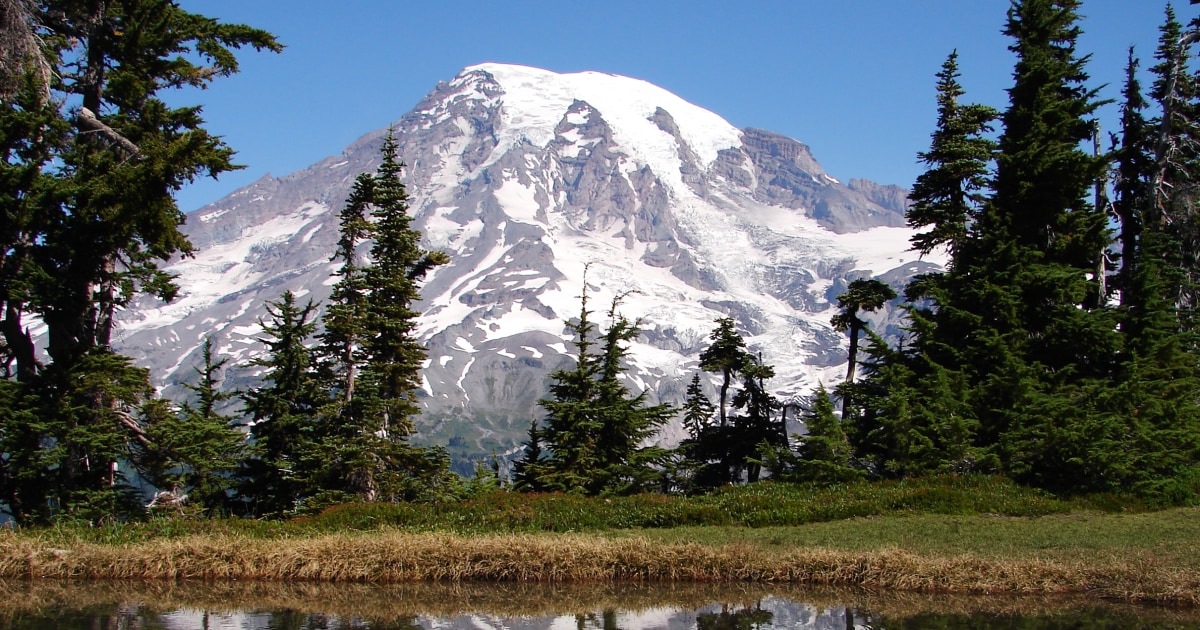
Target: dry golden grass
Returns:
[390, 557]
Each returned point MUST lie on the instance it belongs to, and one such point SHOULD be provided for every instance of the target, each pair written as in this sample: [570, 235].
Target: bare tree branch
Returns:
[88, 122]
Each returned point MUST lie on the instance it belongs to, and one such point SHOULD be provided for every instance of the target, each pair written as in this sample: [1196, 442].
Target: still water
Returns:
[259, 606]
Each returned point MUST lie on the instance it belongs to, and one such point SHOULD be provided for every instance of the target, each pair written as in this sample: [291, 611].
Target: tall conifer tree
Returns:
[283, 413]
[946, 197]
[92, 156]
[371, 345]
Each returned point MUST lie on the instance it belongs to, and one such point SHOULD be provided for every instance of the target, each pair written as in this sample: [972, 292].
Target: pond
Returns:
[304, 606]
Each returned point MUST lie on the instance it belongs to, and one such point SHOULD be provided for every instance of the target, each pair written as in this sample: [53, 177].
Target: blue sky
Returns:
[853, 79]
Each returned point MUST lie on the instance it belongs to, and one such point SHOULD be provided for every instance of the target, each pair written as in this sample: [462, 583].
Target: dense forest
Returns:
[1058, 347]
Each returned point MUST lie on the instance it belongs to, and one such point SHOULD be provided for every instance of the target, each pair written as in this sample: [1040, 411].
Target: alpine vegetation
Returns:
[424, 303]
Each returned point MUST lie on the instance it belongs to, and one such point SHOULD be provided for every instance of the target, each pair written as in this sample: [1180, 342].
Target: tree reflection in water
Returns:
[314, 606]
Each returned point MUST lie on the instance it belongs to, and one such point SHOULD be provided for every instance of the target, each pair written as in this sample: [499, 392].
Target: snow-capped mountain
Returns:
[525, 176]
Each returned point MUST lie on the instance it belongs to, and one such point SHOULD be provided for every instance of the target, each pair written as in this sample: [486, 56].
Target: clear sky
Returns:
[853, 79]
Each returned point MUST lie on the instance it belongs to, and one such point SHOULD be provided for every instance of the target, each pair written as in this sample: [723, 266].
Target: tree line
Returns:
[1058, 347]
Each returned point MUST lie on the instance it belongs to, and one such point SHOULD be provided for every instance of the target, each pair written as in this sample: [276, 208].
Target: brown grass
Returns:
[391, 557]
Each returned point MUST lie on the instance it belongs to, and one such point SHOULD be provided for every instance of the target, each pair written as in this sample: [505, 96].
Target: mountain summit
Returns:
[524, 176]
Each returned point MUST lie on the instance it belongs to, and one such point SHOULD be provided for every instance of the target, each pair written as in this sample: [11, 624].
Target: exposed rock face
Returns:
[524, 176]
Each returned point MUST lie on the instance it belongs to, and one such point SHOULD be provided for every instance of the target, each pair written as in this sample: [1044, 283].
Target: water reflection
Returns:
[269, 606]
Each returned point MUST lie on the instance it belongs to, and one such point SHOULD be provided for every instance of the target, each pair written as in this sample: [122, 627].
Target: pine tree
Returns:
[824, 454]
[694, 467]
[724, 452]
[862, 295]
[283, 413]
[372, 349]
[755, 427]
[398, 265]
[196, 451]
[724, 355]
[1174, 177]
[595, 430]
[92, 157]
[571, 425]
[527, 471]
[345, 321]
[626, 422]
[946, 197]
[698, 410]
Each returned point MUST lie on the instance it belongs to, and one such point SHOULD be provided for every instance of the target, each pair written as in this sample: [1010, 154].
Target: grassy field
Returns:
[962, 535]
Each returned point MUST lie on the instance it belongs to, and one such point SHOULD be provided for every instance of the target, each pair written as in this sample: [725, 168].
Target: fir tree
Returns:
[626, 421]
[595, 429]
[824, 454]
[694, 467]
[371, 323]
[345, 321]
[283, 413]
[722, 453]
[756, 426]
[862, 295]
[946, 197]
[724, 355]
[196, 451]
[698, 410]
[571, 425]
[527, 471]
[91, 158]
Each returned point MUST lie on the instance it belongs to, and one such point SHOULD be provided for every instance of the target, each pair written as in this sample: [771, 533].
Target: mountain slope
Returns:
[524, 177]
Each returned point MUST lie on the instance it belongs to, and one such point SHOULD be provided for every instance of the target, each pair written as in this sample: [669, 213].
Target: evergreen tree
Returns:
[283, 413]
[196, 451]
[862, 295]
[527, 471]
[398, 264]
[346, 330]
[571, 426]
[755, 427]
[723, 453]
[724, 355]
[371, 345]
[698, 410]
[91, 158]
[946, 197]
[824, 454]
[694, 468]
[626, 421]
[1174, 177]
[595, 429]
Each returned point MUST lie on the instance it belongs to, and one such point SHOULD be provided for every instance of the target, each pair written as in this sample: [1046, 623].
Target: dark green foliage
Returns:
[946, 198]
[1017, 360]
[762, 504]
[398, 265]
[197, 450]
[726, 452]
[756, 425]
[527, 471]
[91, 158]
[595, 429]
[371, 354]
[725, 356]
[824, 454]
[283, 414]
[571, 428]
[863, 294]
